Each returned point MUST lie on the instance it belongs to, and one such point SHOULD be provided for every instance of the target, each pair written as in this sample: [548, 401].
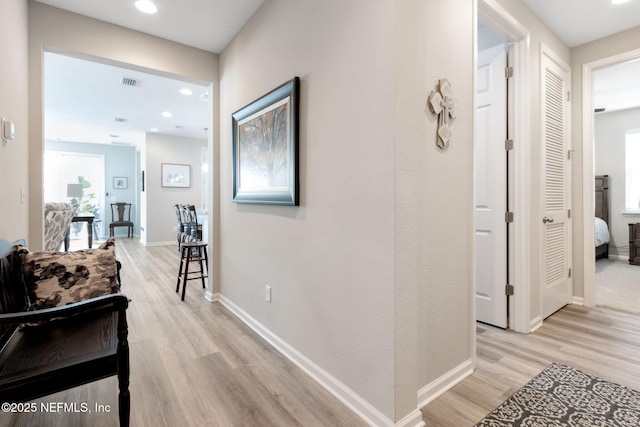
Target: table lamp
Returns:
[74, 190]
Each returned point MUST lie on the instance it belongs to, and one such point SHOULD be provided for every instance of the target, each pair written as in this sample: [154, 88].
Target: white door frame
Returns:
[493, 15]
[588, 173]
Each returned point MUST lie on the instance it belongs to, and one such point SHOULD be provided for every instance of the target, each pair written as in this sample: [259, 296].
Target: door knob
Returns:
[546, 219]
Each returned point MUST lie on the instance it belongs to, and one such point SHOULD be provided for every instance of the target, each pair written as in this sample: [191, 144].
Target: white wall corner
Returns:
[212, 297]
[369, 413]
[536, 322]
[439, 386]
[414, 419]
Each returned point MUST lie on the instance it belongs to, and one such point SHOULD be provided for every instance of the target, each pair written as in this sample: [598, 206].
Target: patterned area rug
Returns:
[563, 396]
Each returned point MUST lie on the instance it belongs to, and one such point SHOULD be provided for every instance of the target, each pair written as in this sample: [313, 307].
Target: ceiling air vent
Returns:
[126, 81]
[120, 120]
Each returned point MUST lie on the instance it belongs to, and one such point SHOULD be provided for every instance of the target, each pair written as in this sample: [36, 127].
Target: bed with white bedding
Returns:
[602, 235]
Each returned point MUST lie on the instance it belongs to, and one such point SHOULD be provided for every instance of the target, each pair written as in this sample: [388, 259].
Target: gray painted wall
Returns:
[161, 218]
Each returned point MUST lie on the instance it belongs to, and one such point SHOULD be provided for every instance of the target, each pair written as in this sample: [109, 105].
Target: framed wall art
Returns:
[120, 182]
[265, 148]
[176, 175]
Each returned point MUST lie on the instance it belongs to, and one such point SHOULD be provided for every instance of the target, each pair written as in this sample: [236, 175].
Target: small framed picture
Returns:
[176, 175]
[119, 182]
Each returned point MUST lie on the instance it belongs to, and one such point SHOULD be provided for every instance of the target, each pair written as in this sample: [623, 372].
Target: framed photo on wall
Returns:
[120, 182]
[265, 148]
[174, 175]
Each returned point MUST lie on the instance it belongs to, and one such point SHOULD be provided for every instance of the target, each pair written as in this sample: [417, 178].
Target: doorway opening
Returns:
[136, 119]
[491, 177]
[589, 169]
[615, 129]
[496, 18]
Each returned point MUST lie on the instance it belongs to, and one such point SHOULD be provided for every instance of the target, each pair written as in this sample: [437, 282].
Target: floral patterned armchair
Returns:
[57, 217]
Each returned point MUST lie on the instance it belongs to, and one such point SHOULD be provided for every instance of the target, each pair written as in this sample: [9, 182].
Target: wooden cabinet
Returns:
[634, 243]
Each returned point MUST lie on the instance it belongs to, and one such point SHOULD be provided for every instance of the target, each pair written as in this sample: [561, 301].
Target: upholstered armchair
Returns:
[57, 217]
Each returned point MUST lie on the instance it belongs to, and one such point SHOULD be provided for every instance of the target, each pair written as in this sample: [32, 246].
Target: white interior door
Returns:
[556, 247]
[491, 186]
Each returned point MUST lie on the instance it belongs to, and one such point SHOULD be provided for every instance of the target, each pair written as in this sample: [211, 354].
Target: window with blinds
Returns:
[632, 171]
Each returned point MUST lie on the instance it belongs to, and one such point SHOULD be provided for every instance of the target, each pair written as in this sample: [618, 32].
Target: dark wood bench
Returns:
[75, 344]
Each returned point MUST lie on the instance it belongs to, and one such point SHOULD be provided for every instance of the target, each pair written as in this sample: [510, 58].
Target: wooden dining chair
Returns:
[121, 217]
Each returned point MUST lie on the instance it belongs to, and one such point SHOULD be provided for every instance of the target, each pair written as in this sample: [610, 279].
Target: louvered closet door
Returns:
[556, 292]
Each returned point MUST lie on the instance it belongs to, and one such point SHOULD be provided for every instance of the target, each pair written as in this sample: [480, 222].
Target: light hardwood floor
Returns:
[599, 341]
[194, 364]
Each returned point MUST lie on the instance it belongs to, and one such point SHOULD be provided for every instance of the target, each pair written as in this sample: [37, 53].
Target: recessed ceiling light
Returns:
[619, 1]
[186, 91]
[154, 130]
[167, 114]
[146, 6]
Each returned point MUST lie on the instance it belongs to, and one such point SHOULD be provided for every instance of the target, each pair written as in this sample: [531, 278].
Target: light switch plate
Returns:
[8, 130]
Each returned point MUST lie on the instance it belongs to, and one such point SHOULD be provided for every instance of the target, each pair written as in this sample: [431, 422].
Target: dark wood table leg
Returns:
[90, 232]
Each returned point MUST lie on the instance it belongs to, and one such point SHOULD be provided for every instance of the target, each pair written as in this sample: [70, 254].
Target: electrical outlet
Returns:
[267, 295]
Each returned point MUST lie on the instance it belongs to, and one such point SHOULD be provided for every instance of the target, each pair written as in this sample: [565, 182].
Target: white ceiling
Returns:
[581, 21]
[578, 22]
[617, 87]
[83, 98]
[206, 24]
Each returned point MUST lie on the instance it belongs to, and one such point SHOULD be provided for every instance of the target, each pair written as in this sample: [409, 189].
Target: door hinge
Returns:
[508, 217]
[569, 273]
[508, 72]
[508, 289]
[508, 144]
[569, 213]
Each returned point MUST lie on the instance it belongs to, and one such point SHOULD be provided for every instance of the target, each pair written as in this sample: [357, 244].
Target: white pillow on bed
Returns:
[601, 232]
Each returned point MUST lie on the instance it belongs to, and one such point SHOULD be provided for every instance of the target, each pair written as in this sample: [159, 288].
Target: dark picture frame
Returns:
[265, 148]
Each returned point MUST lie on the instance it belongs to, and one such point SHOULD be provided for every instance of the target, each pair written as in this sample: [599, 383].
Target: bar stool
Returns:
[192, 252]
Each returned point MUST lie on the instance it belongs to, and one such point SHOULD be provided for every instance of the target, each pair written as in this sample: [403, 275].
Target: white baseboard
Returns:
[211, 297]
[439, 386]
[535, 323]
[414, 419]
[577, 301]
[351, 399]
